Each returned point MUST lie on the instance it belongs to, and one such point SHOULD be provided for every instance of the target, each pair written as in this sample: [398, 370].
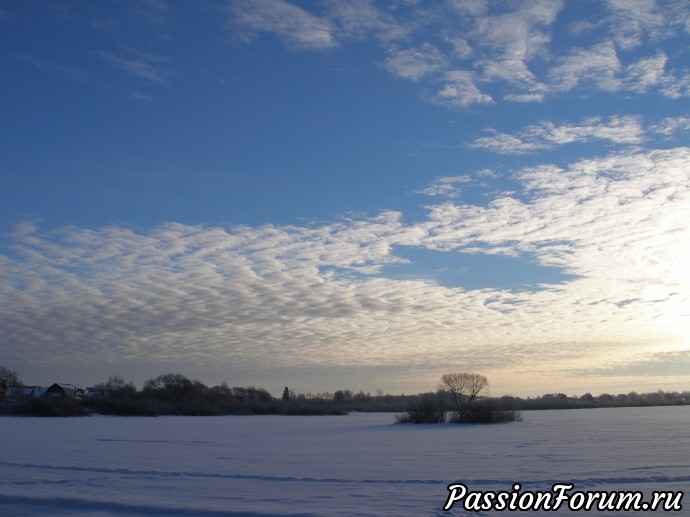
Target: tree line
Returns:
[459, 397]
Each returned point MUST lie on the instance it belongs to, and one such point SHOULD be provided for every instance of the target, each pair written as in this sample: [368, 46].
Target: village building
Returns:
[20, 392]
[56, 390]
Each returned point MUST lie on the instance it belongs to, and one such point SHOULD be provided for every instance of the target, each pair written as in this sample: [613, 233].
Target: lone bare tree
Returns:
[463, 388]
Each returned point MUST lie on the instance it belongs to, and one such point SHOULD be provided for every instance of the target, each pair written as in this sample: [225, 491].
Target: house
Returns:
[60, 389]
[20, 392]
[57, 389]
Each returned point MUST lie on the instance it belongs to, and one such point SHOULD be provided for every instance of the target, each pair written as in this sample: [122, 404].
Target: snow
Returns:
[359, 464]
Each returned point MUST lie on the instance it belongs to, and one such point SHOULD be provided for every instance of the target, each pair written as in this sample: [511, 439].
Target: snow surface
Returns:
[360, 464]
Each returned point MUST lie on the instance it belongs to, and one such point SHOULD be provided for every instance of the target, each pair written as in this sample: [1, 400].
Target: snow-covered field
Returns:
[360, 464]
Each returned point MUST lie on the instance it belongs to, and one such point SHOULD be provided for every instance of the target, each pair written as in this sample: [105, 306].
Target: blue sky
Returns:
[348, 194]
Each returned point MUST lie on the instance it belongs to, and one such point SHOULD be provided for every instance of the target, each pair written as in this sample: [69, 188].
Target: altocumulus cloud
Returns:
[229, 299]
[618, 129]
[486, 52]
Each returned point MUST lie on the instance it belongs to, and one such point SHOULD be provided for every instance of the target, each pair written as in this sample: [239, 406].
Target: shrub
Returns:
[488, 411]
[312, 410]
[50, 406]
[127, 406]
[425, 409]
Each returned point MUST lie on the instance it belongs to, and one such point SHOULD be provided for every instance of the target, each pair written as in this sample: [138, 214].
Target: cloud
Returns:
[618, 225]
[138, 96]
[679, 16]
[241, 296]
[621, 207]
[299, 29]
[501, 47]
[245, 298]
[359, 19]
[670, 125]
[676, 87]
[447, 186]
[524, 97]
[477, 52]
[598, 65]
[460, 91]
[631, 21]
[414, 63]
[503, 143]
[546, 135]
[149, 67]
[461, 49]
[516, 37]
[607, 65]
[646, 73]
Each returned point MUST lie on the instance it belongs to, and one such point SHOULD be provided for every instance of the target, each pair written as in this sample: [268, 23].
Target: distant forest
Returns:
[175, 394]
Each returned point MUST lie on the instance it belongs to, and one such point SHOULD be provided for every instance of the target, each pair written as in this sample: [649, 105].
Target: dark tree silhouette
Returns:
[9, 377]
[463, 388]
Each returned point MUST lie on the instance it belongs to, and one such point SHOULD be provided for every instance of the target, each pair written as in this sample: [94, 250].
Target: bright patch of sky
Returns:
[362, 193]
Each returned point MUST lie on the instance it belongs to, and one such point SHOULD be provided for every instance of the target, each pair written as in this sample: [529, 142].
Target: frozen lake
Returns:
[360, 464]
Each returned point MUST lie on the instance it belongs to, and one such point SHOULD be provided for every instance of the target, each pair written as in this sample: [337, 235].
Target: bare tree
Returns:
[463, 388]
[9, 377]
[118, 386]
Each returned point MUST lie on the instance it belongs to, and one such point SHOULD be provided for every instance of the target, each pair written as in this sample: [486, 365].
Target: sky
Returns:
[347, 194]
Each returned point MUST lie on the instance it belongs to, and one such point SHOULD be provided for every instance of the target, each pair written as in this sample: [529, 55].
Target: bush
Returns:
[50, 406]
[488, 411]
[124, 406]
[313, 410]
[425, 409]
[430, 409]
